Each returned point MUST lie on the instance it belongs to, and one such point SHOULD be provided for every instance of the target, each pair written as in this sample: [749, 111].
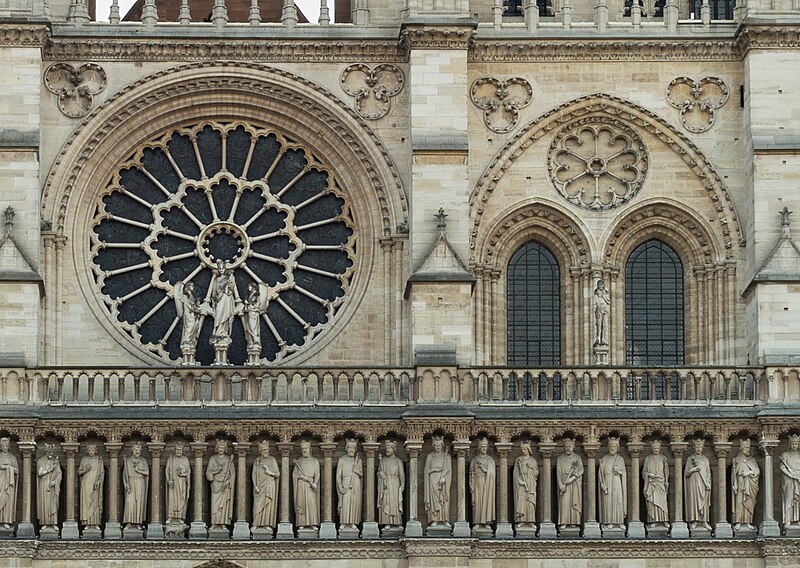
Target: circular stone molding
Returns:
[597, 163]
[230, 194]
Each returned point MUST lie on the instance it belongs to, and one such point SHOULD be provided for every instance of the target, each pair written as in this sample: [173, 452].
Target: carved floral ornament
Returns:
[698, 101]
[501, 101]
[372, 87]
[75, 87]
[597, 163]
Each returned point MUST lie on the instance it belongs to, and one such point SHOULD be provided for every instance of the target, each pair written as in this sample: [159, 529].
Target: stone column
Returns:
[679, 527]
[769, 526]
[241, 528]
[25, 527]
[69, 531]
[370, 527]
[155, 530]
[285, 529]
[198, 529]
[503, 529]
[113, 528]
[461, 526]
[635, 524]
[413, 525]
[547, 528]
[328, 528]
[722, 528]
[591, 528]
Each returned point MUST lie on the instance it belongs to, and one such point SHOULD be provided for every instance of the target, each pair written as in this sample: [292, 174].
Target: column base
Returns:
[113, 531]
[261, 533]
[504, 530]
[439, 529]
[413, 529]
[723, 529]
[393, 531]
[25, 530]
[348, 533]
[679, 530]
[155, 531]
[745, 531]
[131, 533]
[792, 531]
[327, 530]
[220, 532]
[370, 530]
[570, 531]
[6, 531]
[613, 531]
[767, 528]
[636, 529]
[49, 532]
[92, 533]
[523, 530]
[285, 531]
[310, 533]
[548, 530]
[241, 530]
[461, 529]
[591, 529]
[482, 531]
[198, 531]
[69, 531]
[657, 530]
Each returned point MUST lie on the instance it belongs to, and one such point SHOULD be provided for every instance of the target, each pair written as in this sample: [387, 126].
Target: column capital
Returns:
[112, 447]
[767, 445]
[547, 449]
[27, 448]
[285, 448]
[591, 449]
[721, 449]
[413, 448]
[503, 449]
[156, 448]
[328, 448]
[678, 448]
[241, 448]
[70, 447]
[635, 449]
[199, 448]
[461, 448]
[370, 448]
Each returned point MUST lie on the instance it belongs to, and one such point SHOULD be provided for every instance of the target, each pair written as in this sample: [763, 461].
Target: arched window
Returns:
[534, 307]
[720, 9]
[654, 306]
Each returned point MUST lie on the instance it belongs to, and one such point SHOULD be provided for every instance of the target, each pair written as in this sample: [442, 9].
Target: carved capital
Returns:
[370, 448]
[285, 448]
[678, 449]
[198, 448]
[155, 448]
[721, 449]
[241, 448]
[547, 449]
[327, 449]
[27, 448]
[635, 449]
[503, 449]
[425, 36]
[113, 448]
[70, 448]
[413, 448]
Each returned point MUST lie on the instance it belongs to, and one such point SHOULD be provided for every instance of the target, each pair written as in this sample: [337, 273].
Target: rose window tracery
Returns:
[597, 163]
[215, 197]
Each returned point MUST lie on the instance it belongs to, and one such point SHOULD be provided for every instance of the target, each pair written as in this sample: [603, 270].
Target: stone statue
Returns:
[222, 475]
[189, 308]
[655, 477]
[602, 307]
[349, 473]
[9, 473]
[265, 487]
[744, 486]
[697, 488]
[135, 475]
[569, 474]
[178, 476]
[305, 478]
[612, 480]
[391, 485]
[482, 482]
[254, 305]
[92, 474]
[226, 304]
[790, 468]
[438, 477]
[48, 487]
[526, 474]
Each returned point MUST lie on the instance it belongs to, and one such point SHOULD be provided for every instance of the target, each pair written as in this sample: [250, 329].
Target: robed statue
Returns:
[48, 486]
[178, 478]
[135, 475]
[222, 475]
[790, 470]
[391, 485]
[92, 475]
[569, 475]
[655, 477]
[482, 483]
[744, 486]
[9, 475]
[438, 477]
[265, 487]
[697, 488]
[526, 474]
[612, 481]
[306, 477]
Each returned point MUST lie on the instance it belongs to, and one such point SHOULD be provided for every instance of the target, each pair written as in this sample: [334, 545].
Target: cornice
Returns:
[442, 36]
[23, 35]
[767, 36]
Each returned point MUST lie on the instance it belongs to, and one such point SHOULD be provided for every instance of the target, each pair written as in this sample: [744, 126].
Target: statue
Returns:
[482, 481]
[226, 304]
[391, 485]
[48, 487]
[191, 310]
[698, 488]
[135, 475]
[178, 477]
[569, 474]
[222, 475]
[305, 478]
[790, 468]
[602, 307]
[265, 487]
[655, 475]
[9, 473]
[526, 474]
[744, 486]
[349, 473]
[254, 305]
[92, 474]
[438, 477]
[612, 480]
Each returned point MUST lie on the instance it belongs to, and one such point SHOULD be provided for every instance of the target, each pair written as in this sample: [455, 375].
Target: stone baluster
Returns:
[566, 14]
[413, 525]
[722, 528]
[635, 524]
[769, 526]
[591, 528]
[360, 12]
[324, 14]
[69, 530]
[504, 529]
[531, 12]
[241, 528]
[149, 13]
[289, 14]
[255, 13]
[185, 14]
[25, 527]
[285, 529]
[461, 527]
[601, 15]
[155, 530]
[219, 14]
[679, 527]
[705, 13]
[547, 528]
[113, 528]
[671, 16]
[328, 528]
[370, 527]
[198, 529]
[114, 16]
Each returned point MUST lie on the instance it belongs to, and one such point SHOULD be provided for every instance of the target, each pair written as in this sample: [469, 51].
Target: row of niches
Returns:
[222, 243]
[614, 486]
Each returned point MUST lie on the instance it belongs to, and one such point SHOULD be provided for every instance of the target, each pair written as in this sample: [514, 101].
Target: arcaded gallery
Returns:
[399, 283]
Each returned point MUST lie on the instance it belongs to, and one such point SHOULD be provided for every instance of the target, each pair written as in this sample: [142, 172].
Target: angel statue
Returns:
[255, 304]
[191, 310]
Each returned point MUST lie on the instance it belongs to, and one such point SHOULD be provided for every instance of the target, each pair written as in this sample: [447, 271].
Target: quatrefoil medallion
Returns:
[373, 88]
[75, 87]
[698, 101]
[501, 101]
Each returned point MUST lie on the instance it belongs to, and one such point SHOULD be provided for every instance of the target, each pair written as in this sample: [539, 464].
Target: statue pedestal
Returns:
[241, 530]
[659, 530]
[461, 529]
[771, 528]
[130, 533]
[392, 531]
[504, 530]
[174, 531]
[547, 530]
[701, 531]
[155, 531]
[285, 531]
[348, 533]
[600, 354]
[6, 532]
[262, 533]
[745, 531]
[722, 529]
[679, 530]
[50, 532]
[312, 533]
[526, 530]
[197, 531]
[326, 530]
[370, 530]
[90, 533]
[591, 529]
[413, 529]
[481, 531]
[439, 529]
[613, 531]
[69, 531]
[636, 529]
[220, 532]
[792, 531]
[25, 530]
[571, 531]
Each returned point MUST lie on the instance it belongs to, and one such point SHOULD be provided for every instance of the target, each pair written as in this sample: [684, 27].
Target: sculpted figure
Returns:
[790, 468]
[438, 477]
[135, 475]
[224, 302]
[655, 477]
[697, 487]
[613, 482]
[265, 487]
[482, 481]
[92, 474]
[305, 477]
[526, 473]
[254, 305]
[349, 473]
[9, 472]
[48, 486]
[189, 308]
[744, 485]
[222, 475]
[602, 306]
[569, 474]
[391, 485]
[178, 477]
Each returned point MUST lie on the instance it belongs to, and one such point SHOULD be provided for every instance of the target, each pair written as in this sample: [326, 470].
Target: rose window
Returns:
[597, 163]
[216, 199]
